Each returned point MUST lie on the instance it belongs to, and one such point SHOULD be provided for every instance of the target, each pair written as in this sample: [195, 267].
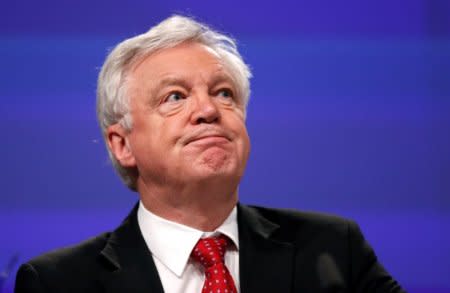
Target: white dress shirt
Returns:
[171, 245]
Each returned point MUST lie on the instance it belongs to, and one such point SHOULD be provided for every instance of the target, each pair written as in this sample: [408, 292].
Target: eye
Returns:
[174, 97]
[225, 93]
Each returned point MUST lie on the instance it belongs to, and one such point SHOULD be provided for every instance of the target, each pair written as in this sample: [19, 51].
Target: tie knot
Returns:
[210, 251]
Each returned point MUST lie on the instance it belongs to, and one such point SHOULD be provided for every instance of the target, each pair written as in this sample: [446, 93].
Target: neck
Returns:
[203, 206]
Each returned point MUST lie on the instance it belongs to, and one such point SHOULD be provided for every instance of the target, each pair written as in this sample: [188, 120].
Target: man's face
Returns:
[188, 123]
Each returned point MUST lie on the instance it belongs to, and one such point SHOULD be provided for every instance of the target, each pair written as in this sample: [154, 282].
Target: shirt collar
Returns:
[171, 243]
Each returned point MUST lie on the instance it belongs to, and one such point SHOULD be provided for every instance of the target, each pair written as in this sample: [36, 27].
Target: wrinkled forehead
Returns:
[177, 62]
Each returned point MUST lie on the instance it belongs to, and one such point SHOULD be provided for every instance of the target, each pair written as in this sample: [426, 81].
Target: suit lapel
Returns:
[266, 264]
[131, 264]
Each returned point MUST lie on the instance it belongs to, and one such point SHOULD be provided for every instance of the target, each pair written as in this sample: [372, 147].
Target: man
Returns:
[172, 105]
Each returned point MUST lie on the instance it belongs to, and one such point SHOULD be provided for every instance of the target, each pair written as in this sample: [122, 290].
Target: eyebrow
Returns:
[180, 81]
[171, 80]
[174, 80]
[166, 82]
[221, 77]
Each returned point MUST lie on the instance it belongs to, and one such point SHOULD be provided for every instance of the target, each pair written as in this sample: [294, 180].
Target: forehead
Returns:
[187, 60]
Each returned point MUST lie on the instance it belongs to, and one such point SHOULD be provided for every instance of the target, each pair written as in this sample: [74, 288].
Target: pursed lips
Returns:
[208, 136]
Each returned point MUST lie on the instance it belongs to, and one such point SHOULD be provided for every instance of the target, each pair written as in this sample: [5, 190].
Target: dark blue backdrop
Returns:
[349, 114]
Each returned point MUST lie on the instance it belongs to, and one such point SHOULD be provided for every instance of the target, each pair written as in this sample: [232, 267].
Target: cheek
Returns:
[247, 145]
[167, 134]
[243, 139]
[145, 135]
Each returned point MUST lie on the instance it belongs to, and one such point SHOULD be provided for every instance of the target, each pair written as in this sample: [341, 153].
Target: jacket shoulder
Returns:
[291, 216]
[55, 271]
[74, 255]
[294, 225]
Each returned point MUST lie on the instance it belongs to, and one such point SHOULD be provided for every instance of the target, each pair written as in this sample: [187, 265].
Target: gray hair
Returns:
[112, 97]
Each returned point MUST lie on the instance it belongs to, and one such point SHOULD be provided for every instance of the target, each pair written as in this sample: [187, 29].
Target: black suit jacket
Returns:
[278, 252]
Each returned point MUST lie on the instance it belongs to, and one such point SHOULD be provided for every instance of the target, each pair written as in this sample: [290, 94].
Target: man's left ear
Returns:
[116, 137]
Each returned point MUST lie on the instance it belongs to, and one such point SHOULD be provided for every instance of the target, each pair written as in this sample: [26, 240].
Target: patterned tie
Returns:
[209, 252]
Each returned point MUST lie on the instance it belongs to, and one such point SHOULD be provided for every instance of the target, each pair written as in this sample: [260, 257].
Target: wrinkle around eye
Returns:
[172, 102]
[174, 97]
[225, 91]
[170, 108]
[225, 95]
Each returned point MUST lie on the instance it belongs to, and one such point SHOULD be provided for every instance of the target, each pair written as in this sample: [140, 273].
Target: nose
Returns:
[205, 109]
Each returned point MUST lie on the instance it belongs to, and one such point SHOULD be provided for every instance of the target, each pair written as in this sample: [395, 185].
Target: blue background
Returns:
[349, 114]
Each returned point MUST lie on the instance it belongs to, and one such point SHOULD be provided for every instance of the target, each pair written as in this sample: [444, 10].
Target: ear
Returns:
[116, 137]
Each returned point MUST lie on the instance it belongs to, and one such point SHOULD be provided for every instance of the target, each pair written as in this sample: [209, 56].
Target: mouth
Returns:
[207, 137]
[210, 139]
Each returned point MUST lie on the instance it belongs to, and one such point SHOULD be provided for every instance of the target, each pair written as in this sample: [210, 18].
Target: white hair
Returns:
[112, 96]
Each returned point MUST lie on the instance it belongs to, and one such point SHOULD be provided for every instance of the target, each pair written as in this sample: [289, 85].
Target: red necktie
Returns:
[210, 252]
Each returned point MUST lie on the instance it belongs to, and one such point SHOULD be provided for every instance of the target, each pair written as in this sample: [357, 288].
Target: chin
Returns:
[215, 163]
[216, 160]
[215, 170]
